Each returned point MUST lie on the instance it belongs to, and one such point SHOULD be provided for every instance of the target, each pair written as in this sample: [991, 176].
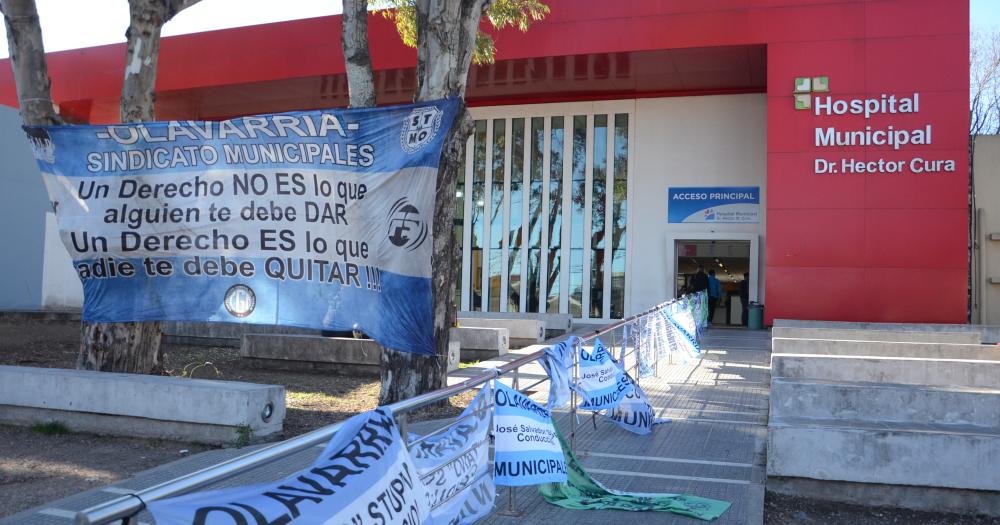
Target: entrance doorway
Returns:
[733, 261]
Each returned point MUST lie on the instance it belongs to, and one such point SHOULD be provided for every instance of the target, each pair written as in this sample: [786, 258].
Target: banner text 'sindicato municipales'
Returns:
[317, 219]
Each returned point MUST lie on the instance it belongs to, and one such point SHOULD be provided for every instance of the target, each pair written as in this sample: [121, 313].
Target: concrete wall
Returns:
[690, 141]
[986, 271]
[35, 267]
[24, 203]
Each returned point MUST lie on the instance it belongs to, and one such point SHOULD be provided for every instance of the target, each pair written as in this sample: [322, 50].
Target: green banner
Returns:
[584, 492]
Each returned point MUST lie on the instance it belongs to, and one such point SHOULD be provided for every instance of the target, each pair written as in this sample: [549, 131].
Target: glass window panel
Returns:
[555, 213]
[535, 214]
[620, 209]
[598, 207]
[459, 229]
[496, 213]
[476, 221]
[516, 197]
[578, 200]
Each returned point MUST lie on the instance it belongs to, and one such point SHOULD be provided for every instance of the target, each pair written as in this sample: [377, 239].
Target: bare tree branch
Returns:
[27, 60]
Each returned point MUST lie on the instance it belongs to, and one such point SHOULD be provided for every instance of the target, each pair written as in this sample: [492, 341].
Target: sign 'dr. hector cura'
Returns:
[873, 136]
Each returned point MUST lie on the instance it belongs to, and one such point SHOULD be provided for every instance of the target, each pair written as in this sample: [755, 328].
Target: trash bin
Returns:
[755, 317]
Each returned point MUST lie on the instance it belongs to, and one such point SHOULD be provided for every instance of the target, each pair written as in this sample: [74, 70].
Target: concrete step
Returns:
[901, 336]
[892, 403]
[783, 345]
[904, 327]
[951, 456]
[899, 370]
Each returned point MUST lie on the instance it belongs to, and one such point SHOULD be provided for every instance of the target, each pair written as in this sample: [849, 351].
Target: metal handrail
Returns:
[127, 506]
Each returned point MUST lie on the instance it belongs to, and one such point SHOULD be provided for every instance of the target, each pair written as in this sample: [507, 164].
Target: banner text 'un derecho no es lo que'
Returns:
[316, 219]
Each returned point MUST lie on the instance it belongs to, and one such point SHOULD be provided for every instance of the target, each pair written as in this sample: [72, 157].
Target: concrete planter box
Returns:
[522, 332]
[341, 355]
[138, 405]
[479, 344]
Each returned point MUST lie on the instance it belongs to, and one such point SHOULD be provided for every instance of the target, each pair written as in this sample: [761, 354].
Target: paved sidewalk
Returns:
[714, 447]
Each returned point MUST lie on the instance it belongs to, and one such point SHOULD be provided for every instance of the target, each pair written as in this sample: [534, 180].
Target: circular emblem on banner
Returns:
[240, 300]
[406, 228]
[420, 127]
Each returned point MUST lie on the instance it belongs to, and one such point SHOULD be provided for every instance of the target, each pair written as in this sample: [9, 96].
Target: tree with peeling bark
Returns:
[111, 347]
[448, 40]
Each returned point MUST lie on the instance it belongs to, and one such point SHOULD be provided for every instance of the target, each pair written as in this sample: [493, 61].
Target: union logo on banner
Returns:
[420, 128]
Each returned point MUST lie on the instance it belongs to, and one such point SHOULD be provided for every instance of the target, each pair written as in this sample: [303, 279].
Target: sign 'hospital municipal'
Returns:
[884, 136]
[316, 219]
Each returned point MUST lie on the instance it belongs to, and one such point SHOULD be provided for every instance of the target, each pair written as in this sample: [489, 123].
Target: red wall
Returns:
[869, 247]
[888, 247]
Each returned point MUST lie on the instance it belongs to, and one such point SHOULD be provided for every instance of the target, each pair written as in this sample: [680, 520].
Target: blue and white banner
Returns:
[738, 204]
[558, 364]
[454, 465]
[526, 450]
[633, 412]
[681, 331]
[602, 384]
[317, 219]
[364, 476]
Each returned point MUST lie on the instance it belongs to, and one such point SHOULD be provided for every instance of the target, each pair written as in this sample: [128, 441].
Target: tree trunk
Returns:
[405, 375]
[446, 39]
[133, 347]
[142, 53]
[357, 58]
[27, 59]
[120, 347]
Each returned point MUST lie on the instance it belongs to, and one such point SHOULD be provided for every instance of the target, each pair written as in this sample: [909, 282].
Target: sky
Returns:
[71, 24]
[985, 14]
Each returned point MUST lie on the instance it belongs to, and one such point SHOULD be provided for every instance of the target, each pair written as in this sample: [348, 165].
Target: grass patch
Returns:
[244, 435]
[51, 428]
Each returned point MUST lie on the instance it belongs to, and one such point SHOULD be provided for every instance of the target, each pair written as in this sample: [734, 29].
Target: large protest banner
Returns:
[316, 219]
[364, 476]
[526, 450]
[454, 465]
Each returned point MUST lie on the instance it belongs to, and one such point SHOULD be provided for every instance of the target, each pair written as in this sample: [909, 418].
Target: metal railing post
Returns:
[511, 509]
[573, 402]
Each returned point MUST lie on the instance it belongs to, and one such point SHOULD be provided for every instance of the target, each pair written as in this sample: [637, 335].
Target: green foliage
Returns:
[51, 428]
[519, 14]
[244, 435]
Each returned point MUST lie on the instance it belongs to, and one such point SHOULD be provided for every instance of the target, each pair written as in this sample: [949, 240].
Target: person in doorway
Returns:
[714, 294]
[699, 281]
[744, 299]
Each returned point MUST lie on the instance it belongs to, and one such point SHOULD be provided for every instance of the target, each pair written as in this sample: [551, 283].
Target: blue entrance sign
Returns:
[722, 204]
